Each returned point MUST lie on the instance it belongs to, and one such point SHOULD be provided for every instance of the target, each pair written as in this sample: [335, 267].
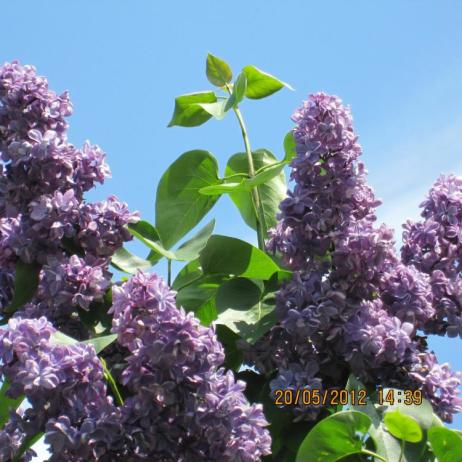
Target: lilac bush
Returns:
[139, 368]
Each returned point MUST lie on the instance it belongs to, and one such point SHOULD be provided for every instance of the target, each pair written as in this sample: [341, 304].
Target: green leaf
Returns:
[125, 261]
[334, 437]
[233, 355]
[99, 343]
[218, 71]
[6, 403]
[58, 338]
[218, 189]
[217, 110]
[289, 146]
[264, 175]
[238, 93]
[388, 446]
[188, 274]
[26, 444]
[149, 236]
[188, 110]
[271, 192]
[112, 383]
[402, 426]
[179, 204]
[197, 294]
[243, 312]
[260, 84]
[190, 249]
[231, 256]
[237, 294]
[446, 444]
[25, 284]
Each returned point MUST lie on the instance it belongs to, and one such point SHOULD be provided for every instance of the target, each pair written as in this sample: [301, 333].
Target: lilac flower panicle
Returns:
[434, 246]
[57, 380]
[440, 383]
[359, 307]
[192, 409]
[330, 188]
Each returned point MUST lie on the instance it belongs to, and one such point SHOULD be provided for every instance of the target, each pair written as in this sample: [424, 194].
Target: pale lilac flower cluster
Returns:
[58, 381]
[185, 407]
[43, 214]
[439, 383]
[434, 246]
[351, 298]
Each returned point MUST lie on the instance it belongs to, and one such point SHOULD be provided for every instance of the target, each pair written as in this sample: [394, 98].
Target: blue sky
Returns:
[397, 63]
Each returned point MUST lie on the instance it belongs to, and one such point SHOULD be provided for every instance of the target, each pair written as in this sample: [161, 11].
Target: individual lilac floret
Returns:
[185, 407]
[102, 226]
[439, 384]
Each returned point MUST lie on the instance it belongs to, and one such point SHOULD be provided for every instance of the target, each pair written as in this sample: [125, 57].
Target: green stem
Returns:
[373, 454]
[402, 451]
[261, 224]
[27, 444]
[112, 383]
[169, 275]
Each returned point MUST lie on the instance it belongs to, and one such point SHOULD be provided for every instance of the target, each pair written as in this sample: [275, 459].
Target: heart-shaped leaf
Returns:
[179, 204]
[218, 71]
[261, 84]
[334, 438]
[402, 426]
[446, 444]
[188, 111]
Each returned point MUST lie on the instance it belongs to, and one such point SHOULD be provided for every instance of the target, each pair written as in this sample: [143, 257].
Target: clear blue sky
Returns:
[397, 63]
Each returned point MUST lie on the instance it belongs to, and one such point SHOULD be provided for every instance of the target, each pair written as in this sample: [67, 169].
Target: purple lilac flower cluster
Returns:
[58, 381]
[43, 214]
[434, 246]
[182, 405]
[191, 408]
[353, 305]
